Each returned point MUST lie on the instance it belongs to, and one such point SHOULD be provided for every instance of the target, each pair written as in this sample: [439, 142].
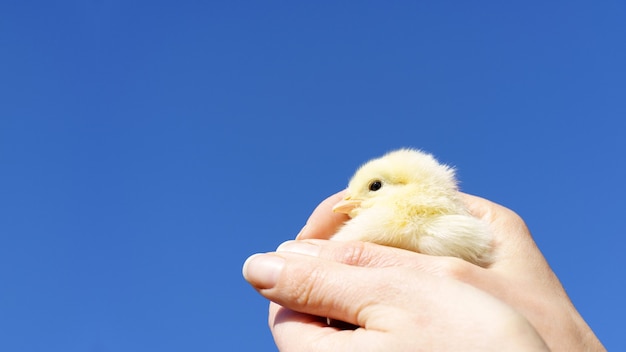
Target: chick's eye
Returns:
[375, 185]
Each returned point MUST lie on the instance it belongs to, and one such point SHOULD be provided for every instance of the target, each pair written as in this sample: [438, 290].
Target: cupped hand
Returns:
[519, 276]
[394, 308]
[401, 300]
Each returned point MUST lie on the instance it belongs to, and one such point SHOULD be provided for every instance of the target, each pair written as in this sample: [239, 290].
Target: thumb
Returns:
[323, 222]
[318, 287]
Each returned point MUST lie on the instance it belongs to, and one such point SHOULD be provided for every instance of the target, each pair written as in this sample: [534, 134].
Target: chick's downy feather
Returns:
[407, 199]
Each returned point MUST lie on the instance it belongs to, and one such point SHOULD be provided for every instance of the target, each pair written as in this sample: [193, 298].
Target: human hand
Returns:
[520, 276]
[396, 308]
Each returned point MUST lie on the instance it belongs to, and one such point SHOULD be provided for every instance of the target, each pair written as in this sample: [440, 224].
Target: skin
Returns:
[402, 300]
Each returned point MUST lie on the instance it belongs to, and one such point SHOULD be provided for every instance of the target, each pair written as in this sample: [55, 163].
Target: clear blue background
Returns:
[147, 148]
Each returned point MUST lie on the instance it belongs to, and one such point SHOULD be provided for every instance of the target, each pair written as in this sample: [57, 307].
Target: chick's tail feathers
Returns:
[460, 236]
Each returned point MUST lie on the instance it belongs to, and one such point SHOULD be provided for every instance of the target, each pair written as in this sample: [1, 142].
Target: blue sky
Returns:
[147, 148]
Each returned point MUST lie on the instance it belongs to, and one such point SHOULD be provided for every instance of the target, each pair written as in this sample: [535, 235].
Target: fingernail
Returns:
[301, 232]
[262, 270]
[299, 247]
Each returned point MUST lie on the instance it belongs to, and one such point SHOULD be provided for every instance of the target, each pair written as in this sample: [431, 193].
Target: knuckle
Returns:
[452, 267]
[305, 287]
[353, 253]
[366, 254]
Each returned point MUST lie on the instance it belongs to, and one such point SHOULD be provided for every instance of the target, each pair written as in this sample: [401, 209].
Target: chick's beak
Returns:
[346, 205]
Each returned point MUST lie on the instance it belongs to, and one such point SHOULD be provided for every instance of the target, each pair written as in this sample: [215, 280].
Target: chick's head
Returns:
[404, 175]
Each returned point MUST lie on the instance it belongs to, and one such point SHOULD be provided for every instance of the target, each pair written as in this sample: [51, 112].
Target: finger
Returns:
[513, 242]
[318, 287]
[294, 331]
[279, 315]
[500, 217]
[357, 253]
[371, 255]
[489, 211]
[323, 222]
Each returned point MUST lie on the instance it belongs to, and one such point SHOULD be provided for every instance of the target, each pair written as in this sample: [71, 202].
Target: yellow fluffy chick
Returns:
[407, 199]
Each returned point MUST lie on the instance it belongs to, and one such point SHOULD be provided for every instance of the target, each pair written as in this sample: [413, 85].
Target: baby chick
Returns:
[407, 199]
